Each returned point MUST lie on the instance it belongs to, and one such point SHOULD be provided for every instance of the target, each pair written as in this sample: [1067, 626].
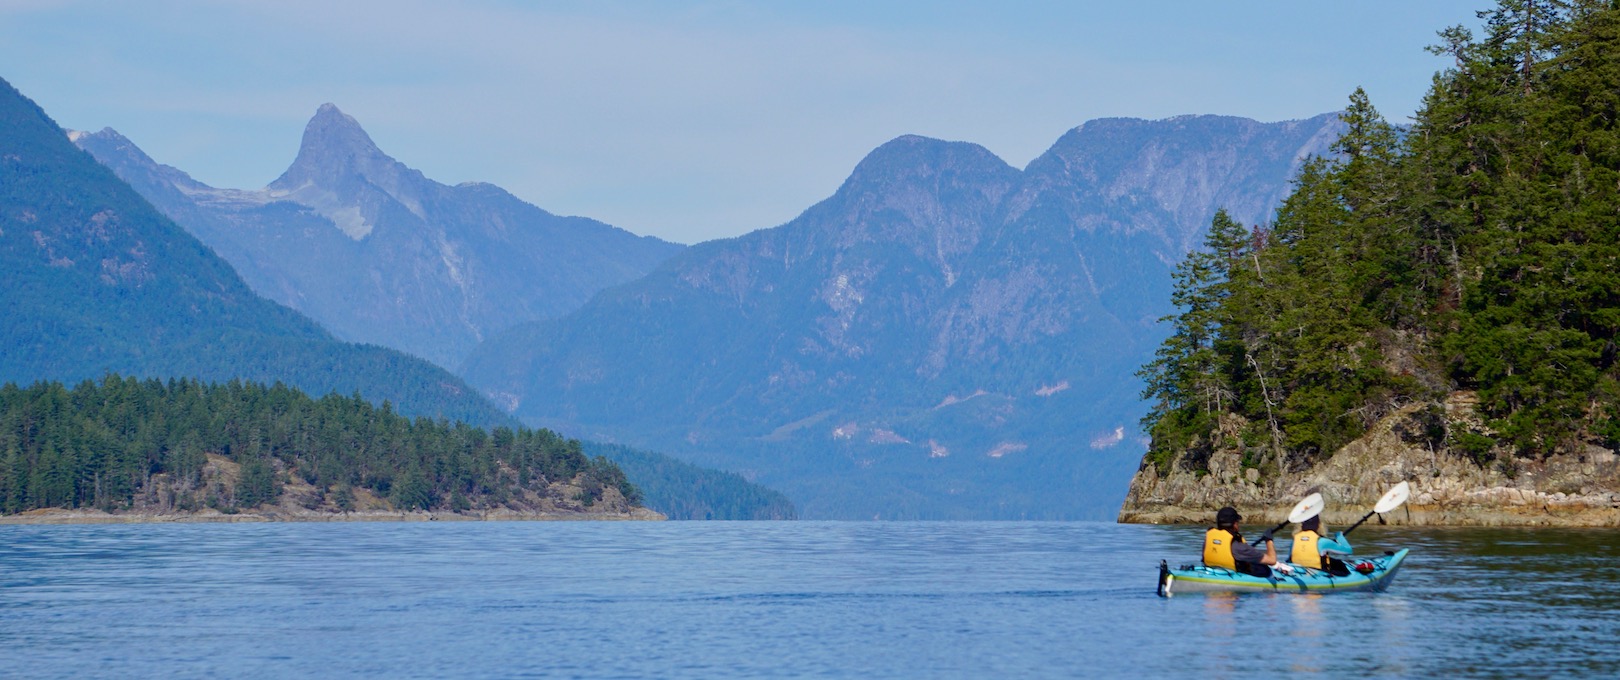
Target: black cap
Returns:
[1227, 515]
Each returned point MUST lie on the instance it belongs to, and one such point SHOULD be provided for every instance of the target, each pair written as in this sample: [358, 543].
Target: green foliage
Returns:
[1483, 242]
[1176, 432]
[99, 444]
[257, 485]
[344, 498]
[1476, 446]
[1185, 382]
[1426, 428]
[411, 491]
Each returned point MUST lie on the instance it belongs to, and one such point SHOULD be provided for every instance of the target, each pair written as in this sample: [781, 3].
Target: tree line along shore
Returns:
[130, 448]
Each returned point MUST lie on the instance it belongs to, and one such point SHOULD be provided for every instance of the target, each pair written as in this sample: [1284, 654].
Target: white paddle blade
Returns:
[1394, 498]
[1308, 508]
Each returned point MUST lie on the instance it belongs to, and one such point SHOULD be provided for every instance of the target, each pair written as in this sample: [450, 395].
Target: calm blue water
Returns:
[789, 599]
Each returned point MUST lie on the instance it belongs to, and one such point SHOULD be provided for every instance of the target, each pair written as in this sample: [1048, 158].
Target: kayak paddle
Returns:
[1391, 500]
[1308, 508]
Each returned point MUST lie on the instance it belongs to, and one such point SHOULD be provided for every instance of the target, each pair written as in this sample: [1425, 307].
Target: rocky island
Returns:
[1437, 304]
[1449, 486]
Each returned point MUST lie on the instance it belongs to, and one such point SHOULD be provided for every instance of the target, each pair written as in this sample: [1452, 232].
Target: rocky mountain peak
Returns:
[342, 174]
[333, 130]
[334, 147]
[122, 155]
[1109, 168]
[438, 268]
[913, 158]
[935, 197]
[112, 139]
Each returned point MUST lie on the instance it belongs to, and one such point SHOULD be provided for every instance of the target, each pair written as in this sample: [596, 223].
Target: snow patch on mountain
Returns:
[1049, 390]
[953, 399]
[1005, 448]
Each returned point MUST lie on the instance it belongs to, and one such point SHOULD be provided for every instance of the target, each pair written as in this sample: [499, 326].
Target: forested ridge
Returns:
[183, 445]
[681, 490]
[1475, 252]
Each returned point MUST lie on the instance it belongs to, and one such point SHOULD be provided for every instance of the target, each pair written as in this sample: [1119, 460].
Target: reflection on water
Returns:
[1305, 645]
[794, 599]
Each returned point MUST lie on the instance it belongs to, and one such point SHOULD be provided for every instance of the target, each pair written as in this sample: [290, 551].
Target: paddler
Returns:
[1307, 552]
[1224, 547]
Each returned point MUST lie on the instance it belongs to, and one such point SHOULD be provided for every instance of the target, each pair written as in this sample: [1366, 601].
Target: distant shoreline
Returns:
[1501, 516]
[83, 516]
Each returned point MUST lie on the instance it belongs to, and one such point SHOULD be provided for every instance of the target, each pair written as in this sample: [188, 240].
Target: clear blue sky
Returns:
[688, 120]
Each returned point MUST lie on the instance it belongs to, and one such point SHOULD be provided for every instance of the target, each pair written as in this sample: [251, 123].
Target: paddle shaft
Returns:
[1394, 499]
[1359, 522]
[1274, 530]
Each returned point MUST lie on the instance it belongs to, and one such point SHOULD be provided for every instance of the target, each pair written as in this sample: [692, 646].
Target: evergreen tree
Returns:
[257, 485]
[102, 444]
[1476, 252]
[1184, 382]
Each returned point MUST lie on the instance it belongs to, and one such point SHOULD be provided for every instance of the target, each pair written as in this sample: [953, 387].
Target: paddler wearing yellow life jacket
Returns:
[1307, 552]
[1224, 547]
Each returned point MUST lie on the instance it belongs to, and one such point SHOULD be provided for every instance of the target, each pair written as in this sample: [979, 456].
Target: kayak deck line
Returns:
[1199, 578]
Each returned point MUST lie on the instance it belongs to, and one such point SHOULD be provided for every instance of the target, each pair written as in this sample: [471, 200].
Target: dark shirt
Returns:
[1243, 552]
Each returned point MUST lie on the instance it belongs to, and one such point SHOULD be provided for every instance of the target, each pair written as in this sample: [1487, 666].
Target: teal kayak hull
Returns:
[1202, 579]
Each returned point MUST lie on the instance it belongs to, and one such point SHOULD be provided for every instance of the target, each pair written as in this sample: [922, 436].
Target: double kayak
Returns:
[1365, 574]
[1360, 573]
[1201, 579]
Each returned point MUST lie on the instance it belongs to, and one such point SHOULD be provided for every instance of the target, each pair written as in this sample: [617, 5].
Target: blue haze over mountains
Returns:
[379, 253]
[946, 337]
[183, 312]
[97, 281]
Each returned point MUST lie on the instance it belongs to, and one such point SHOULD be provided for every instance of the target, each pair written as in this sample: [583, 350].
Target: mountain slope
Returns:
[98, 281]
[944, 337]
[378, 253]
[683, 491]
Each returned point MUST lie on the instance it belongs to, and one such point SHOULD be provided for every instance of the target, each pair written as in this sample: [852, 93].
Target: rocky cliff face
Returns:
[1450, 486]
[944, 337]
[379, 253]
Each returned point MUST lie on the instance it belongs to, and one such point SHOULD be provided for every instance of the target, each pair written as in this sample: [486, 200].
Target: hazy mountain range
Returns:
[946, 336]
[378, 253]
[97, 281]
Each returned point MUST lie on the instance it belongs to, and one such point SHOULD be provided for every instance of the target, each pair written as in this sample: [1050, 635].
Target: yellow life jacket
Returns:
[1305, 553]
[1218, 549]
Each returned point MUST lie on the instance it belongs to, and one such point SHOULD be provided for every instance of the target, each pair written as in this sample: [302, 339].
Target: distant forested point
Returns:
[681, 490]
[1471, 259]
[182, 445]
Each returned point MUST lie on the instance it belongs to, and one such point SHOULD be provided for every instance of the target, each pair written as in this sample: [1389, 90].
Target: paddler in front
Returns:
[1224, 547]
[1307, 552]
